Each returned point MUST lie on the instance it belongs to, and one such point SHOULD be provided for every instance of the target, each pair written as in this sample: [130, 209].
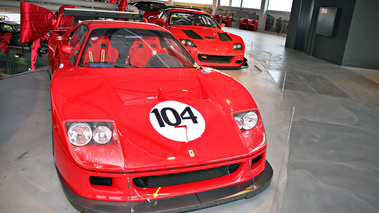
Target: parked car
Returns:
[150, 8]
[13, 27]
[138, 126]
[203, 37]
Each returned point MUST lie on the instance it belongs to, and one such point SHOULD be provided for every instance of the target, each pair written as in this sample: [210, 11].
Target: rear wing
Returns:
[36, 21]
[90, 14]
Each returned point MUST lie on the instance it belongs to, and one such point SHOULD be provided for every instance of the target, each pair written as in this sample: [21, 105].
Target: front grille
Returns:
[185, 177]
[215, 58]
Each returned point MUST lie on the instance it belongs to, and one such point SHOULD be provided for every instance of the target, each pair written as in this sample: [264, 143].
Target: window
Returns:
[280, 5]
[133, 48]
[224, 2]
[6, 27]
[76, 41]
[255, 4]
[164, 15]
[209, 2]
[194, 19]
[236, 3]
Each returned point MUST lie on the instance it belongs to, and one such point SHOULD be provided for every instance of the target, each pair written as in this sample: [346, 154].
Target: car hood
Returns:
[128, 97]
[208, 33]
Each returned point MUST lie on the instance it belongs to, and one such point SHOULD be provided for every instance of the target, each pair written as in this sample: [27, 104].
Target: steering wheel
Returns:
[154, 57]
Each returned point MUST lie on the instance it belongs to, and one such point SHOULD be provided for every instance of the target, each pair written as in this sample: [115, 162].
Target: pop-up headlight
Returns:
[187, 43]
[237, 46]
[246, 120]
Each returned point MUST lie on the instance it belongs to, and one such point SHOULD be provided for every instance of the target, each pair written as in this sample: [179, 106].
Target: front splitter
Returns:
[176, 204]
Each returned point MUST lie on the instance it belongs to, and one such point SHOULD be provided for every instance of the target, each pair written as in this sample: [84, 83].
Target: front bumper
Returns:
[176, 204]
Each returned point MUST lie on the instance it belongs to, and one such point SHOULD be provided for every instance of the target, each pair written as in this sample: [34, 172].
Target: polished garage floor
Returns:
[330, 163]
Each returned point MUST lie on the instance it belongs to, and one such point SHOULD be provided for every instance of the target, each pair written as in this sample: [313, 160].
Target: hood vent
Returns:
[192, 34]
[209, 37]
[224, 37]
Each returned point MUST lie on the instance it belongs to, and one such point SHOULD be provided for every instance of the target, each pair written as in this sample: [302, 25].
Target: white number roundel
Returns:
[177, 121]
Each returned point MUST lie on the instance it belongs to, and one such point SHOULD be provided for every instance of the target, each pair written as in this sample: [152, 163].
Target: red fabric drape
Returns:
[36, 21]
[36, 45]
[4, 41]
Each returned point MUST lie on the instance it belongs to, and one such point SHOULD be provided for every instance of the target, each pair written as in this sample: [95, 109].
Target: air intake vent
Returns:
[215, 58]
[209, 37]
[192, 34]
[224, 37]
[104, 181]
[186, 177]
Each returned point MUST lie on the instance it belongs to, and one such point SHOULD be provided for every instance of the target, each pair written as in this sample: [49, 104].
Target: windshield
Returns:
[137, 48]
[194, 19]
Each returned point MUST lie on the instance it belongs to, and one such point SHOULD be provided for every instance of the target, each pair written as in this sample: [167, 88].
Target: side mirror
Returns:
[222, 25]
[69, 50]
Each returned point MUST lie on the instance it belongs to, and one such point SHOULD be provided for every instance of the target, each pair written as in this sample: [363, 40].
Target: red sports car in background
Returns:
[139, 127]
[203, 37]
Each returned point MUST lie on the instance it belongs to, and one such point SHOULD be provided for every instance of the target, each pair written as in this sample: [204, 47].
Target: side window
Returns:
[142, 6]
[7, 28]
[76, 40]
[164, 15]
[156, 7]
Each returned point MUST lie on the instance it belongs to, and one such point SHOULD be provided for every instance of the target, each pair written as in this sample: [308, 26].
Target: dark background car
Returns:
[11, 27]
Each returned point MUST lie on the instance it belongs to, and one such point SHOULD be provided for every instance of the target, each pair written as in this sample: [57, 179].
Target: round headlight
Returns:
[80, 134]
[188, 43]
[239, 121]
[250, 119]
[102, 135]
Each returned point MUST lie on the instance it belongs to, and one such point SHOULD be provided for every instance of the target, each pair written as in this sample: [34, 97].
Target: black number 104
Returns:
[162, 117]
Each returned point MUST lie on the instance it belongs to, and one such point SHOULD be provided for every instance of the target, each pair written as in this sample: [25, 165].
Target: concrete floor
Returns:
[333, 161]
[330, 163]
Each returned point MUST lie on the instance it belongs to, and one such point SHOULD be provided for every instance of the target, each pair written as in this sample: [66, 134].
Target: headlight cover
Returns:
[246, 120]
[81, 133]
[95, 145]
[188, 43]
[237, 46]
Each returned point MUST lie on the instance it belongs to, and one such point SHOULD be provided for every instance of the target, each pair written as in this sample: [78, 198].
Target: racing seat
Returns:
[143, 49]
[99, 49]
